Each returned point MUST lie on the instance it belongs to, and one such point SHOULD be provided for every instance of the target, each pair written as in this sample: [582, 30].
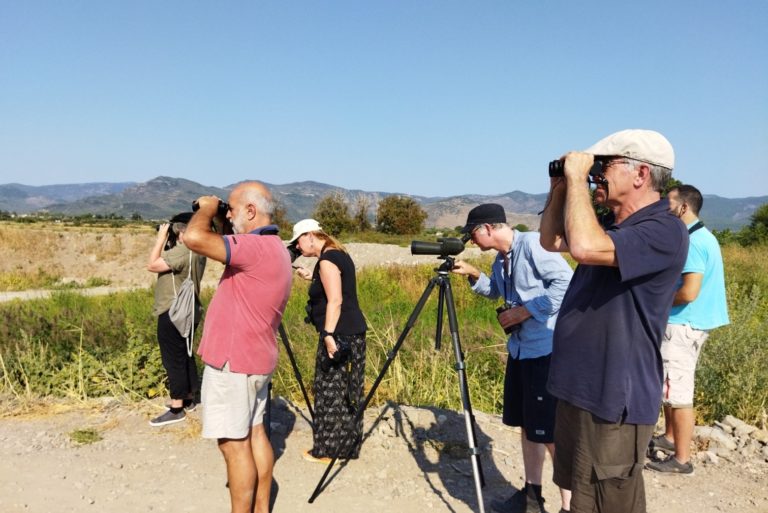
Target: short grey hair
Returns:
[659, 175]
[264, 204]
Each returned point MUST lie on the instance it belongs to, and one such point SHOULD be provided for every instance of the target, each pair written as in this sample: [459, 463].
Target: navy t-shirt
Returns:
[606, 348]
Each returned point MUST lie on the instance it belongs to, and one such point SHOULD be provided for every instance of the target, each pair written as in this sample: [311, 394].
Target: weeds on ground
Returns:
[84, 347]
[85, 436]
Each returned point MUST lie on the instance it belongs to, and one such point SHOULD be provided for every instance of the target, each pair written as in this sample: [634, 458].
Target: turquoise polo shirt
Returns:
[710, 309]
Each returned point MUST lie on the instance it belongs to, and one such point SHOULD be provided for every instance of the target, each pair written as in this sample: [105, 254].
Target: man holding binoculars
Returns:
[532, 282]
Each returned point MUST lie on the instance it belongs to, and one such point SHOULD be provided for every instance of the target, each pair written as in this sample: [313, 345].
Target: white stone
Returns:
[725, 427]
[761, 435]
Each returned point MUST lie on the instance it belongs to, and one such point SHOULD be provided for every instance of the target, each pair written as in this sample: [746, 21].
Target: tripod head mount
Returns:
[446, 266]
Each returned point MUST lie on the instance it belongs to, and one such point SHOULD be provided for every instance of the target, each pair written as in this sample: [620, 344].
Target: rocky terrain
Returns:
[413, 461]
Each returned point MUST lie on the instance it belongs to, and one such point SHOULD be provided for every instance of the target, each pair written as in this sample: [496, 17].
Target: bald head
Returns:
[251, 206]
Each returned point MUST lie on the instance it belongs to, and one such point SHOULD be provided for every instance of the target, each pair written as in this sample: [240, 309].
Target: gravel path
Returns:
[413, 461]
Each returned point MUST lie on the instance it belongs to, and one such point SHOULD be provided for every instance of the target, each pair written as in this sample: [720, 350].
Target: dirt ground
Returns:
[413, 459]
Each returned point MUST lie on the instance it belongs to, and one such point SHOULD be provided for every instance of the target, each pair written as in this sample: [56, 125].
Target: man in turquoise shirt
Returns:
[699, 306]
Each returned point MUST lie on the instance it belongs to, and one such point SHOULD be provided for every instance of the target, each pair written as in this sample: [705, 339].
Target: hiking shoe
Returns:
[670, 466]
[522, 501]
[660, 443]
[168, 418]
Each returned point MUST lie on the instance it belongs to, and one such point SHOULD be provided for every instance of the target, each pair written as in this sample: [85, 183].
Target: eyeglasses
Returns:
[610, 163]
[474, 230]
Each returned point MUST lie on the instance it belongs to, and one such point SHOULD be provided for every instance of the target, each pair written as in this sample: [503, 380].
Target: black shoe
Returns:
[660, 443]
[168, 418]
[522, 501]
[670, 466]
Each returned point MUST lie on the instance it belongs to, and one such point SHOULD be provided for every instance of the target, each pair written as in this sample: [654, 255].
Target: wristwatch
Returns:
[324, 333]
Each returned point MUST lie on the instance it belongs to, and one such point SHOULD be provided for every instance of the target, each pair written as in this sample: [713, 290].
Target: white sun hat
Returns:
[643, 145]
[304, 226]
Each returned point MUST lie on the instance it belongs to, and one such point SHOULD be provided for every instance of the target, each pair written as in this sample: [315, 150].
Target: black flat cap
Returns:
[487, 213]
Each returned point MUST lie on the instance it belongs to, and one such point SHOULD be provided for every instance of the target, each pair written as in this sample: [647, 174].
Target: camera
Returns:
[509, 329]
[557, 168]
[444, 247]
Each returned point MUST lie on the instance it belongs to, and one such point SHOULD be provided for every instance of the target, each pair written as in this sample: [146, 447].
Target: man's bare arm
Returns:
[552, 228]
[689, 290]
[199, 237]
[587, 241]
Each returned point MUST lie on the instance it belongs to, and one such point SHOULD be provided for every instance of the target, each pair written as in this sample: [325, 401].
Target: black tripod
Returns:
[442, 279]
[297, 373]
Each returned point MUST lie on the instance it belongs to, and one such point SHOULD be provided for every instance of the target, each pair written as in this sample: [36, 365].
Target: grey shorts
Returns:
[232, 402]
[600, 462]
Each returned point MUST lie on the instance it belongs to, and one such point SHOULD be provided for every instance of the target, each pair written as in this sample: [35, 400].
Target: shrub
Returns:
[332, 213]
[400, 215]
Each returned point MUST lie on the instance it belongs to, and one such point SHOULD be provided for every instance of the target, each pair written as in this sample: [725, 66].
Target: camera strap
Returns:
[695, 227]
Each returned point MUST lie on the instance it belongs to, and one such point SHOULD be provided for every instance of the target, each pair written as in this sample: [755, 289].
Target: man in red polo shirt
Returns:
[239, 345]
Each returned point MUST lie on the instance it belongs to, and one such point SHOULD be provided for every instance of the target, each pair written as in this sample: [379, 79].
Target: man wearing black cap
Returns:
[606, 367]
[531, 283]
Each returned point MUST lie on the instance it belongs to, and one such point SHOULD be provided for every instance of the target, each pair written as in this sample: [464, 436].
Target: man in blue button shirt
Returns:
[606, 368]
[531, 283]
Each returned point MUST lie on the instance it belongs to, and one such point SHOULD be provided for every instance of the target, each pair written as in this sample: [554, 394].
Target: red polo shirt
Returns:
[246, 310]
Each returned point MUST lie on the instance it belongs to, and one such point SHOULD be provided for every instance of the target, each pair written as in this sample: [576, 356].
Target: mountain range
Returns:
[162, 197]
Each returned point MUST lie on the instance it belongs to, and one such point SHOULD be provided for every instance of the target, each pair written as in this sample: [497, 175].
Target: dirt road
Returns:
[413, 460]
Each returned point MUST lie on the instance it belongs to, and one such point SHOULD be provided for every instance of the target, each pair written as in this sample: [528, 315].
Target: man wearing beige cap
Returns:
[606, 368]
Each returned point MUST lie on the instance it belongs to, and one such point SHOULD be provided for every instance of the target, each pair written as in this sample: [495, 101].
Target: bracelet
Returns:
[324, 334]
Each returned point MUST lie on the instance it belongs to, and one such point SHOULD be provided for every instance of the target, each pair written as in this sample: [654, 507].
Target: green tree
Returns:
[280, 218]
[400, 215]
[332, 213]
[671, 184]
[757, 231]
[360, 219]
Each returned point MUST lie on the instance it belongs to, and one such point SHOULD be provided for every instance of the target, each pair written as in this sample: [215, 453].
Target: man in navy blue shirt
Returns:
[531, 282]
[606, 368]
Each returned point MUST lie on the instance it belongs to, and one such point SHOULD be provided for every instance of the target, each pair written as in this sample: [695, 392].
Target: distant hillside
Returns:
[159, 198]
[721, 213]
[162, 197]
[20, 198]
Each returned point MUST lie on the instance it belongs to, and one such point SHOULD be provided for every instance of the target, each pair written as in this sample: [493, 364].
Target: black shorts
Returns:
[526, 400]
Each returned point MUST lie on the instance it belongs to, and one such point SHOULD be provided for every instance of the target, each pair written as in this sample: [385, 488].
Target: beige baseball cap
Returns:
[643, 145]
[302, 227]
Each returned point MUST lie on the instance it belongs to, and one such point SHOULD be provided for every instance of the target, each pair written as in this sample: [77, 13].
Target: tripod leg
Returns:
[469, 418]
[296, 372]
[361, 409]
[268, 411]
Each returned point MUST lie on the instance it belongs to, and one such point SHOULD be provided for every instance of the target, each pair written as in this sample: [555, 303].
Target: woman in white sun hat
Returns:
[340, 361]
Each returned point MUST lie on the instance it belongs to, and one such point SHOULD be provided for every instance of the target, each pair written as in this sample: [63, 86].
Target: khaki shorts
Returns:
[599, 461]
[680, 349]
[232, 402]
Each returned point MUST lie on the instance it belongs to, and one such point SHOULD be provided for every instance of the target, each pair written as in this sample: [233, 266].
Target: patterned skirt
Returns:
[338, 393]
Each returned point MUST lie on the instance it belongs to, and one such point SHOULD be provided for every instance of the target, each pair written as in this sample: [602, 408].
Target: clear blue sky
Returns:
[433, 98]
